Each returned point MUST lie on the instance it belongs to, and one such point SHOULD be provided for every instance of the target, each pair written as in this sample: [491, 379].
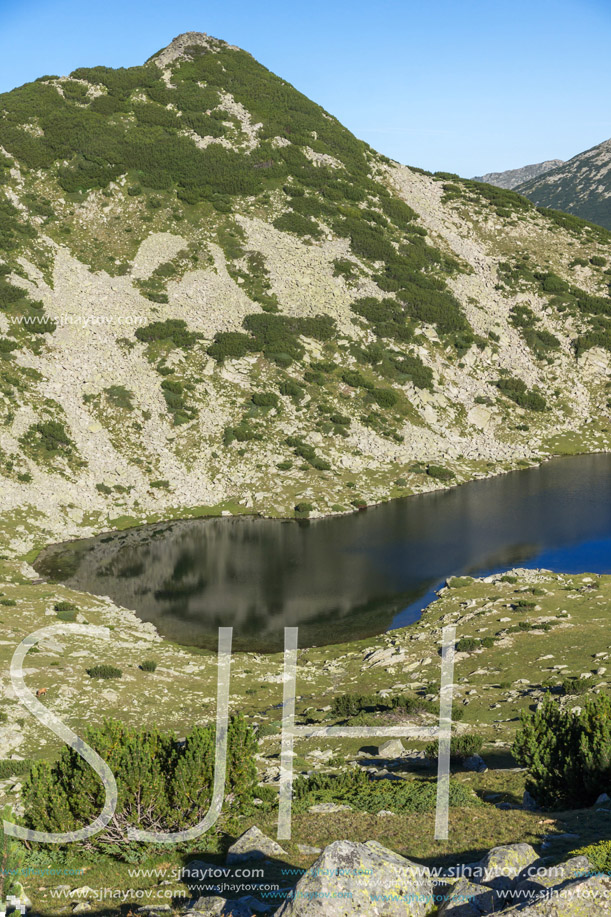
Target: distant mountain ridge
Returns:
[512, 178]
[581, 186]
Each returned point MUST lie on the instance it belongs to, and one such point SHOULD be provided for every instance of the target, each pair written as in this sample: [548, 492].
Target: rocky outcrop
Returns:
[358, 879]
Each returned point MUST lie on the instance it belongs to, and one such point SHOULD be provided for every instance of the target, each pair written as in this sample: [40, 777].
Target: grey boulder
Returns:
[467, 899]
[254, 845]
[353, 880]
[502, 865]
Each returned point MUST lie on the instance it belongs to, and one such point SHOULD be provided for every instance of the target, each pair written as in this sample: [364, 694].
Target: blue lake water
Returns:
[345, 577]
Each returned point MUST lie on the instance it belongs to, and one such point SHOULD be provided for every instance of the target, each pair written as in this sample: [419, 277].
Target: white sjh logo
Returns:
[290, 732]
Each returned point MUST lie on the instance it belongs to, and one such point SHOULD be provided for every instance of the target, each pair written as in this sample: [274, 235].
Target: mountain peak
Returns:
[581, 186]
[185, 46]
[511, 178]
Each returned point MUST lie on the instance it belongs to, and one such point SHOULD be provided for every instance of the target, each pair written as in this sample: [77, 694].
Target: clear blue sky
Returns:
[462, 85]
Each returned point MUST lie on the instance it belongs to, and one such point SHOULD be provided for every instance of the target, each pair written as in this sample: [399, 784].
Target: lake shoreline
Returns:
[182, 515]
[356, 574]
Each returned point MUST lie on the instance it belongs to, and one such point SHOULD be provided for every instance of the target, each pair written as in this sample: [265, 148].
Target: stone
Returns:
[475, 763]
[604, 797]
[215, 906]
[502, 865]
[467, 899]
[583, 898]
[394, 748]
[328, 808]
[528, 802]
[535, 879]
[346, 881]
[83, 892]
[308, 849]
[152, 910]
[254, 845]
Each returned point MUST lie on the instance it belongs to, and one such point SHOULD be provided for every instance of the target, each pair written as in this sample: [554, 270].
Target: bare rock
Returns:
[353, 880]
[254, 845]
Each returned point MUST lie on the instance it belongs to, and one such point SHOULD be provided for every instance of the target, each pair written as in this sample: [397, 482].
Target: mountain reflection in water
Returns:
[347, 577]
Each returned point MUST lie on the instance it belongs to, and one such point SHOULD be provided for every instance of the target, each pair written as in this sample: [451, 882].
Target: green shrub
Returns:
[265, 399]
[48, 437]
[574, 686]
[385, 397]
[365, 794]
[171, 331]
[307, 452]
[440, 473]
[14, 768]
[268, 729]
[171, 786]
[120, 397]
[461, 747]
[355, 379]
[459, 582]
[66, 614]
[598, 261]
[518, 392]
[412, 704]
[231, 345]
[347, 705]
[467, 644]
[291, 389]
[567, 753]
[597, 854]
[173, 386]
[343, 267]
[415, 370]
[298, 224]
[551, 283]
[303, 509]
[276, 336]
[104, 671]
[242, 434]
[149, 665]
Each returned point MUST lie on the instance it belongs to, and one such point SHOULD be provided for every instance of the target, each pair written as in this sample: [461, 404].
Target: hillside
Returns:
[512, 178]
[214, 298]
[581, 186]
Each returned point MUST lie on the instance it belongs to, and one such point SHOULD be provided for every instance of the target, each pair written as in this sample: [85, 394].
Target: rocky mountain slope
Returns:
[214, 298]
[581, 186]
[511, 178]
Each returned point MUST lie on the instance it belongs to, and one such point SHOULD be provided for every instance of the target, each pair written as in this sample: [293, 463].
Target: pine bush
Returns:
[162, 784]
[567, 752]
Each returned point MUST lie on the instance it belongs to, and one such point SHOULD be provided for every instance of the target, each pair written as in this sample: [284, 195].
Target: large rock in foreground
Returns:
[502, 865]
[354, 880]
[586, 898]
